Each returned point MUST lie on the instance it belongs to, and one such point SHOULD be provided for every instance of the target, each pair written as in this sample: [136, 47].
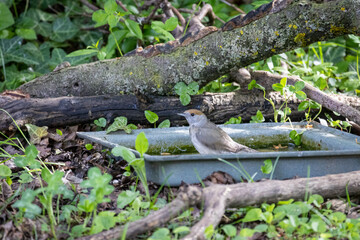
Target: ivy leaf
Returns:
[36, 133]
[63, 29]
[6, 17]
[101, 122]
[82, 52]
[134, 28]
[128, 129]
[151, 116]
[28, 34]
[118, 124]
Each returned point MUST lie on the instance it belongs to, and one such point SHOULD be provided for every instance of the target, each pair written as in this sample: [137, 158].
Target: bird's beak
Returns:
[182, 114]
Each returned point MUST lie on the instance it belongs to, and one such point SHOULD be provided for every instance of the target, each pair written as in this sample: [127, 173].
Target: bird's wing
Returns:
[216, 139]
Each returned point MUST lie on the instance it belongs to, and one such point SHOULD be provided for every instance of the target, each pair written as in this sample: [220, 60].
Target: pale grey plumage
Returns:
[208, 138]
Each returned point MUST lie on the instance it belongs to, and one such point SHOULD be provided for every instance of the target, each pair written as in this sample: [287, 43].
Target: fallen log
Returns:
[65, 111]
[236, 196]
[219, 107]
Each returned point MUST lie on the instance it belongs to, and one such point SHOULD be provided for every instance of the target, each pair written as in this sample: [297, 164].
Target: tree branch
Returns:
[240, 42]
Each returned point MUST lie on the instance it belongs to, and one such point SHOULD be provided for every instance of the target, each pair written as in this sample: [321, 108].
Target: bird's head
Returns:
[194, 117]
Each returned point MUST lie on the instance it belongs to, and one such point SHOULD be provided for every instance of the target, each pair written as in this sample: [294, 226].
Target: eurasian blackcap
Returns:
[208, 138]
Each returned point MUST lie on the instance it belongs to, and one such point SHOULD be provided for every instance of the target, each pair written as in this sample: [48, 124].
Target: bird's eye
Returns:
[192, 114]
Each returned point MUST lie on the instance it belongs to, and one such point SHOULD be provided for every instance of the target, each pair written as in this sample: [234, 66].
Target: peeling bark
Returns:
[295, 24]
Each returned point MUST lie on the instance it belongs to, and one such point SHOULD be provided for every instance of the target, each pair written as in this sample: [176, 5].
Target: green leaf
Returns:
[301, 95]
[180, 88]
[193, 88]
[110, 6]
[283, 81]
[253, 215]
[246, 232]
[36, 133]
[261, 228]
[25, 178]
[314, 105]
[151, 116]
[160, 234]
[296, 137]
[21, 161]
[181, 229]
[63, 29]
[57, 57]
[25, 204]
[5, 171]
[185, 99]
[112, 21]
[100, 17]
[28, 34]
[267, 167]
[125, 153]
[126, 197]
[82, 52]
[141, 143]
[233, 121]
[164, 124]
[229, 230]
[118, 124]
[89, 146]
[31, 152]
[303, 106]
[6, 17]
[171, 24]
[128, 129]
[134, 28]
[337, 217]
[316, 199]
[101, 122]
[209, 231]
[258, 118]
[278, 87]
[252, 85]
[103, 221]
[299, 86]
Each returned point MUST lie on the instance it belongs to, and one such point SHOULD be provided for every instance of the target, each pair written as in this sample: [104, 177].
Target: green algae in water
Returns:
[276, 146]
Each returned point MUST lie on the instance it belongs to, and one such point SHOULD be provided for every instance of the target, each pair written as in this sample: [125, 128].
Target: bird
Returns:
[208, 138]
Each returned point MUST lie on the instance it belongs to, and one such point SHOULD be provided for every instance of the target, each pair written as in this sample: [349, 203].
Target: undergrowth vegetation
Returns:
[37, 36]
